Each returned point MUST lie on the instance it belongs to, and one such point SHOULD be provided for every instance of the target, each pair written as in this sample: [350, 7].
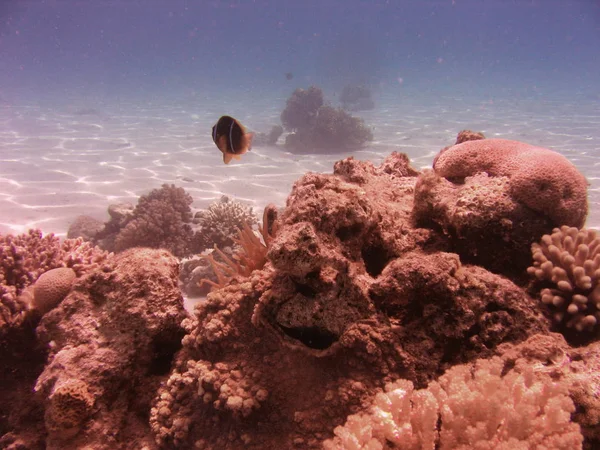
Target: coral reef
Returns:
[353, 296]
[483, 223]
[161, 219]
[220, 223]
[575, 368]
[543, 180]
[493, 198]
[569, 261]
[301, 108]
[362, 281]
[85, 227]
[26, 257]
[522, 410]
[115, 333]
[316, 126]
[356, 97]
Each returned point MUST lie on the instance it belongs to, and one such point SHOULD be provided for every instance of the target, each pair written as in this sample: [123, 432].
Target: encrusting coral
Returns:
[111, 342]
[470, 406]
[569, 259]
[69, 406]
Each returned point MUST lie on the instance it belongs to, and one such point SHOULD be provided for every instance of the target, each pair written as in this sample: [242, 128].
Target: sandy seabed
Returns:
[58, 162]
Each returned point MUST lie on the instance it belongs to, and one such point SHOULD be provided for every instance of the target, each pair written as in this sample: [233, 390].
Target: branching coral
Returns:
[468, 407]
[220, 224]
[25, 257]
[161, 219]
[252, 254]
[569, 258]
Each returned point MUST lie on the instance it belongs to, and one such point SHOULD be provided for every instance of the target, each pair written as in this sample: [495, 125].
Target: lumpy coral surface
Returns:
[373, 309]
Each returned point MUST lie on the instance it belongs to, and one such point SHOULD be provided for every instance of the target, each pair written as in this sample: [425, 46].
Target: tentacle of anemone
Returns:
[251, 257]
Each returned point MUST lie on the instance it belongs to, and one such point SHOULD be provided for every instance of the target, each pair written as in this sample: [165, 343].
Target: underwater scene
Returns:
[277, 224]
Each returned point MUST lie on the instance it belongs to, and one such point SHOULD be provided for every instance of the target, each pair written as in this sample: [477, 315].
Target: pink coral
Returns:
[352, 296]
[51, 287]
[23, 258]
[541, 179]
[161, 219]
[470, 406]
[115, 334]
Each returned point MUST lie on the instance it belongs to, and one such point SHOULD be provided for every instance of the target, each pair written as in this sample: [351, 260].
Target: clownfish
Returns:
[231, 138]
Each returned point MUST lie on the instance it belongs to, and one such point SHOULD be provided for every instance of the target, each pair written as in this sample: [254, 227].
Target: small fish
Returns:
[289, 76]
[231, 138]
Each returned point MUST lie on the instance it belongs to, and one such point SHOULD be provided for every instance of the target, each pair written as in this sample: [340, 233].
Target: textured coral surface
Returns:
[541, 179]
[567, 262]
[366, 284]
[354, 296]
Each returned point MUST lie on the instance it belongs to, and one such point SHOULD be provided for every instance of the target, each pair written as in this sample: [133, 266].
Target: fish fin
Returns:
[227, 157]
[249, 137]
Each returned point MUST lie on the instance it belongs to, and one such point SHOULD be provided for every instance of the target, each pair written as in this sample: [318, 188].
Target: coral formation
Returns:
[85, 227]
[116, 332]
[569, 260]
[522, 410]
[51, 288]
[25, 257]
[161, 219]
[483, 223]
[316, 126]
[353, 296]
[354, 287]
[251, 254]
[69, 406]
[220, 223]
[301, 108]
[356, 97]
[542, 180]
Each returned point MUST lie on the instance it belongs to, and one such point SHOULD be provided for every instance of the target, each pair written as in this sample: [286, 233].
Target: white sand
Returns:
[59, 162]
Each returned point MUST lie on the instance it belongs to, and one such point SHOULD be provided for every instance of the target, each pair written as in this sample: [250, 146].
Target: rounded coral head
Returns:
[543, 180]
[51, 288]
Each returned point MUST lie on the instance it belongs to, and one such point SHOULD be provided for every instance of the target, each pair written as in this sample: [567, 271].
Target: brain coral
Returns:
[569, 259]
[51, 287]
[541, 179]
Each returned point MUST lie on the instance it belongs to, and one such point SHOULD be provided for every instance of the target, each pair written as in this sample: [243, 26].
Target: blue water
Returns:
[149, 48]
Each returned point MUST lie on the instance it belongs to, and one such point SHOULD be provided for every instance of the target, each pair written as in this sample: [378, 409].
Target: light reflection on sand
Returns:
[55, 165]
